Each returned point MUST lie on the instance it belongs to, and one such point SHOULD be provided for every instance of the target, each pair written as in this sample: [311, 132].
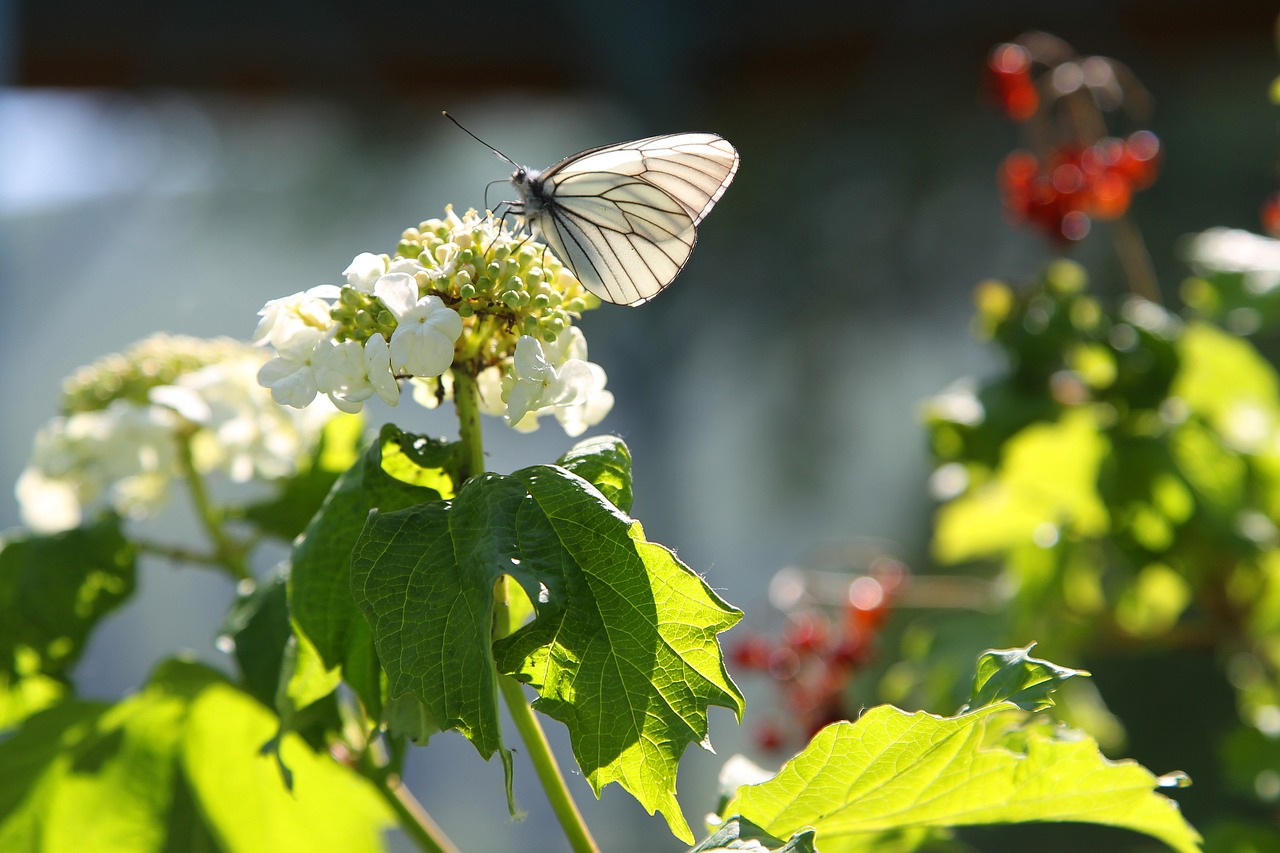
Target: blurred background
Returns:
[174, 166]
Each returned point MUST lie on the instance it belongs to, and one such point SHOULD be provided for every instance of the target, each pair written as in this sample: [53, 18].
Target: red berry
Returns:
[784, 664]
[1140, 161]
[807, 632]
[1270, 215]
[752, 652]
[1109, 195]
[850, 653]
[769, 736]
[1009, 79]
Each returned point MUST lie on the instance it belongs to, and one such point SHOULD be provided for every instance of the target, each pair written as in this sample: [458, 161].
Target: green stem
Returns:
[414, 820]
[535, 740]
[466, 397]
[227, 552]
[177, 554]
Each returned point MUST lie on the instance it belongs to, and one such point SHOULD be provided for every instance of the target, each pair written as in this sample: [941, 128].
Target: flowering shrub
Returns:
[421, 588]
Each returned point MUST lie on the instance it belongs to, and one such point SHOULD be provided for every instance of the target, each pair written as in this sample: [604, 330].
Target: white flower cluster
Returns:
[125, 454]
[462, 293]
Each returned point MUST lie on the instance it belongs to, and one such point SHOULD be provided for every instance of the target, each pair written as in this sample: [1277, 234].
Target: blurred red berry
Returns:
[1140, 161]
[752, 652]
[784, 664]
[850, 653]
[1009, 80]
[807, 632]
[1270, 215]
[769, 737]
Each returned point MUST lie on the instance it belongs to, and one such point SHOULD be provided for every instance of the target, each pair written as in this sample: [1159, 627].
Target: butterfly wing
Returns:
[624, 217]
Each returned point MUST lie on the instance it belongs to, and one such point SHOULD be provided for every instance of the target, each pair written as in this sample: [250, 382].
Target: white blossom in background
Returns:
[123, 452]
[1238, 251]
[460, 292]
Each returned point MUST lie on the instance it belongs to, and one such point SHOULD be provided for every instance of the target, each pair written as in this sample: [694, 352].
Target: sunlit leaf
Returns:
[1012, 675]
[176, 766]
[892, 769]
[623, 649]
[1047, 482]
[604, 462]
[738, 833]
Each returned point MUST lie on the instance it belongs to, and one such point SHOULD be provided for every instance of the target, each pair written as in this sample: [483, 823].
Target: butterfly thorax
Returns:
[529, 183]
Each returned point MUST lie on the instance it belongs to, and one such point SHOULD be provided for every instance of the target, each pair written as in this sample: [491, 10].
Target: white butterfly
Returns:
[624, 217]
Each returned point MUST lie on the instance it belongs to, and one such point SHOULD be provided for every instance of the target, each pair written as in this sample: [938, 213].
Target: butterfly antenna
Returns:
[445, 113]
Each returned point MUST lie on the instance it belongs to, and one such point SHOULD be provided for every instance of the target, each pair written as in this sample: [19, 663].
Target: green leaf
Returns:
[257, 626]
[320, 578]
[301, 495]
[623, 649]
[240, 793]
[1012, 675]
[892, 770]
[53, 592]
[738, 833]
[1047, 481]
[36, 759]
[604, 462]
[176, 767]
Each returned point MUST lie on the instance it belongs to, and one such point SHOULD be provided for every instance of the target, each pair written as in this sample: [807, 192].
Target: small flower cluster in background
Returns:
[1077, 172]
[459, 293]
[133, 423]
[818, 654]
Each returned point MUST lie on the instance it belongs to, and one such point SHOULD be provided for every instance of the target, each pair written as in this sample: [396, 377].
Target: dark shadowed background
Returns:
[172, 166]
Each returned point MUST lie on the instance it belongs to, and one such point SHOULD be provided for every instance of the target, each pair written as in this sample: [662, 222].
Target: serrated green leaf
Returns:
[320, 578]
[301, 495]
[1012, 675]
[622, 651]
[892, 769]
[738, 833]
[55, 589]
[605, 462]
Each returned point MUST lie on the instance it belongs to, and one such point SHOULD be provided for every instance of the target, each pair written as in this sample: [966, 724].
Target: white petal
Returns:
[377, 360]
[398, 291]
[364, 271]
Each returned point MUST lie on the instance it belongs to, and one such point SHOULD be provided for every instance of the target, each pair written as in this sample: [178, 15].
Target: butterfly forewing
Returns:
[624, 216]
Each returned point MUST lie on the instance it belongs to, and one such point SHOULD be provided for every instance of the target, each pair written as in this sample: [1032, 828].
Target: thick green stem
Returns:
[535, 740]
[466, 397]
[229, 555]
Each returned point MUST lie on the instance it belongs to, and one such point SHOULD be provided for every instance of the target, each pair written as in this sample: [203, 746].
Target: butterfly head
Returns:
[529, 183]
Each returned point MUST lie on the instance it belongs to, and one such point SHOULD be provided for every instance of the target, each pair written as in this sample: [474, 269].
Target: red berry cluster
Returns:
[817, 656]
[1009, 81]
[1062, 194]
